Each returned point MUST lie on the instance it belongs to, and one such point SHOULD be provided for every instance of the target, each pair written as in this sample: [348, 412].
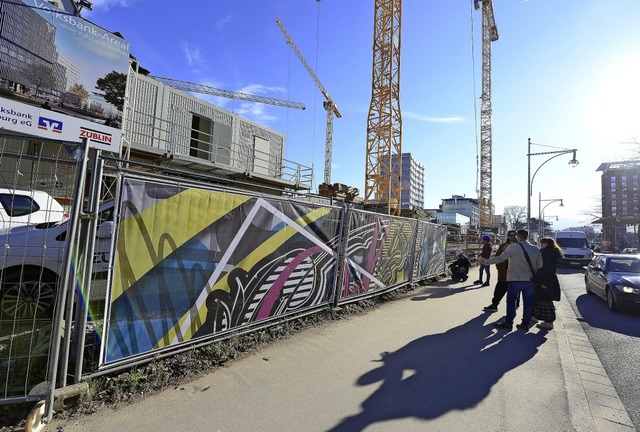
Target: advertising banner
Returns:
[61, 76]
[47, 124]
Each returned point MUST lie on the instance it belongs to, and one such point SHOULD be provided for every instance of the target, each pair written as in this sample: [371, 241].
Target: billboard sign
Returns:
[64, 71]
[47, 124]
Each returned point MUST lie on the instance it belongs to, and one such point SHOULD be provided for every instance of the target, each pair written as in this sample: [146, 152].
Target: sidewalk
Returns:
[428, 361]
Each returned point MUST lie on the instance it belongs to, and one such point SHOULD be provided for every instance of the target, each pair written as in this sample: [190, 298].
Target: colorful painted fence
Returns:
[191, 263]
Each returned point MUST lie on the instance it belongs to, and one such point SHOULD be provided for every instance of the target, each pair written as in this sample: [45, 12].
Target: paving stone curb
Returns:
[594, 403]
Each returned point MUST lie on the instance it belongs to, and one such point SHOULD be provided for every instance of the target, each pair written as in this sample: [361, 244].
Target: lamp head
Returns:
[574, 162]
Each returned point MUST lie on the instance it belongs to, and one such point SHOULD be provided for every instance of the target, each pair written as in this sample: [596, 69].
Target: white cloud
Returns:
[193, 54]
[257, 89]
[107, 4]
[256, 112]
[427, 119]
[221, 23]
[251, 110]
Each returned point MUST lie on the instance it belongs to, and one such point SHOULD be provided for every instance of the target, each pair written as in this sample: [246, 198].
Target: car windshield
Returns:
[623, 265]
[574, 243]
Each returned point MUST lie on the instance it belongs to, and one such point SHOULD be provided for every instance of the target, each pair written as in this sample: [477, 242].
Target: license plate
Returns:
[574, 263]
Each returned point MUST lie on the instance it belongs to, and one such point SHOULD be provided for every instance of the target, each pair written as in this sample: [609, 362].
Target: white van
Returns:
[575, 247]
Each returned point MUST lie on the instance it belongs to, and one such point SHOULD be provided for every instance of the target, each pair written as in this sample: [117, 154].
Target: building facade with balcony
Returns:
[163, 122]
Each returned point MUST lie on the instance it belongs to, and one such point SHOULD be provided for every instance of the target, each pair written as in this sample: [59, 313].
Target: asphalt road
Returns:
[614, 336]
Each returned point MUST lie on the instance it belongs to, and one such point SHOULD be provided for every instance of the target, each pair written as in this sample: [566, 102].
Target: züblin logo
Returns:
[50, 124]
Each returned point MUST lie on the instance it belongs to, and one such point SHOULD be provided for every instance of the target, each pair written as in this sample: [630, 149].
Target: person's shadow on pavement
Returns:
[438, 373]
[434, 292]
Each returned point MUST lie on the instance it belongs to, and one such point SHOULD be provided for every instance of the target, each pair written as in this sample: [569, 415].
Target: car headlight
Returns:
[628, 289]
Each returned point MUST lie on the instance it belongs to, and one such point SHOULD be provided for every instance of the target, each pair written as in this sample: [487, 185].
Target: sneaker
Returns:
[485, 284]
[464, 279]
[503, 325]
[477, 282]
[546, 325]
[523, 327]
[534, 320]
[490, 308]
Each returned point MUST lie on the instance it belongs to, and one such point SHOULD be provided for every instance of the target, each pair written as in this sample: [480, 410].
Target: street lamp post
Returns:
[541, 211]
[572, 163]
[544, 223]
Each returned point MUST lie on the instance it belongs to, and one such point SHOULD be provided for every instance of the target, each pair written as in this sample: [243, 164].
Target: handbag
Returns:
[537, 276]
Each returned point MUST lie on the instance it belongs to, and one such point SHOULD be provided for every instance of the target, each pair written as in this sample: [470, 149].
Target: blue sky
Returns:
[565, 74]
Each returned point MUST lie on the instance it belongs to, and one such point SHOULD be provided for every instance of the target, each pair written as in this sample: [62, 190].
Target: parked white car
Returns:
[28, 207]
[32, 264]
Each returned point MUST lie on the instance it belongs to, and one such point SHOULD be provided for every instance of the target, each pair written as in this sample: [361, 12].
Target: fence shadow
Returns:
[438, 373]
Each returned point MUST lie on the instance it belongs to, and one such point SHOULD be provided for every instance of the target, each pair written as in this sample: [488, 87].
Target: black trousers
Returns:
[499, 292]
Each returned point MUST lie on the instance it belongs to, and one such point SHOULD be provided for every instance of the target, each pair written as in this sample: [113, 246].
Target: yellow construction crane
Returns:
[205, 89]
[328, 105]
[383, 170]
[489, 35]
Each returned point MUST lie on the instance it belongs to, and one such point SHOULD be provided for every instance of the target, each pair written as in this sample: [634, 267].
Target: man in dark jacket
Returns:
[460, 267]
[501, 286]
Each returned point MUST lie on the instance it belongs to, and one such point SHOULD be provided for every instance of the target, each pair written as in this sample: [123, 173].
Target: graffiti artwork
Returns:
[378, 252]
[430, 250]
[191, 263]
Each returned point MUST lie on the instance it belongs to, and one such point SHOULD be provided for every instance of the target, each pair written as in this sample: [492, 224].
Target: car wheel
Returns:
[611, 301]
[27, 296]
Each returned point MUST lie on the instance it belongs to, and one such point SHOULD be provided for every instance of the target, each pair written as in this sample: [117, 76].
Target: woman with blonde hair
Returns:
[549, 292]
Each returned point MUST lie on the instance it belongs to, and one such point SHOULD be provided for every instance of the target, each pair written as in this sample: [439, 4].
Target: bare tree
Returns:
[515, 216]
[593, 213]
[40, 76]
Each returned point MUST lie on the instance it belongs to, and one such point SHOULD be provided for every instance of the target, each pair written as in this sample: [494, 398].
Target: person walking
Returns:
[549, 292]
[519, 276]
[501, 286]
[485, 253]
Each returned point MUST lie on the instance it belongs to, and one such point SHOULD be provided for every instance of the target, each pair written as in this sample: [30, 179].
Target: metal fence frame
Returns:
[55, 167]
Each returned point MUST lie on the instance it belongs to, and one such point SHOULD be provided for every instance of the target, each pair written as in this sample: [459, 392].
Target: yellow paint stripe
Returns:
[256, 255]
[168, 224]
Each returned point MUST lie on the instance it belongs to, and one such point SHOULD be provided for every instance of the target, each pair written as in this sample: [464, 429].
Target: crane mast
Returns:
[383, 172]
[489, 35]
[205, 89]
[328, 104]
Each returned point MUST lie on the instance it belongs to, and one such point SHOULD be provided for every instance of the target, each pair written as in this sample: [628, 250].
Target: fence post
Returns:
[64, 284]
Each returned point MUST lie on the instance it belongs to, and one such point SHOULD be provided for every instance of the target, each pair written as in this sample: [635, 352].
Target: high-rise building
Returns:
[411, 183]
[620, 200]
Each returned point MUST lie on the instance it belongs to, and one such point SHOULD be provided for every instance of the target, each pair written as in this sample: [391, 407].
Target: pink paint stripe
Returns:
[276, 287]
